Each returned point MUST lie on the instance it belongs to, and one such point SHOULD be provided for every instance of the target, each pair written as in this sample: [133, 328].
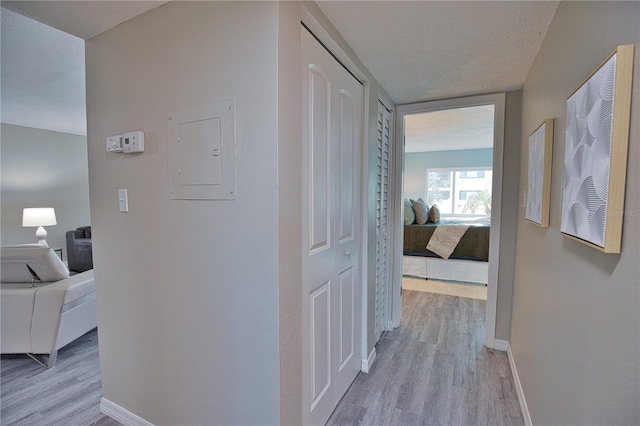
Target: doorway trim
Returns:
[498, 101]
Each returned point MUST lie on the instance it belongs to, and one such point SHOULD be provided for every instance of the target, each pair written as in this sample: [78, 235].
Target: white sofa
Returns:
[42, 307]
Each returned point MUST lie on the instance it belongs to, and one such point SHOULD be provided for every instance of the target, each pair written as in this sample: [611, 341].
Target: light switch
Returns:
[123, 200]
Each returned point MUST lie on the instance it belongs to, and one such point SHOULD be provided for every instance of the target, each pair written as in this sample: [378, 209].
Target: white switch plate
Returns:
[123, 200]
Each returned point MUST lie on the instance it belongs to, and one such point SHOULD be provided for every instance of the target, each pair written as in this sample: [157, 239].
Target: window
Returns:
[459, 191]
[472, 174]
[464, 194]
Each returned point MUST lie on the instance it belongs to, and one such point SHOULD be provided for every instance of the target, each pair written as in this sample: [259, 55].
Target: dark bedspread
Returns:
[474, 244]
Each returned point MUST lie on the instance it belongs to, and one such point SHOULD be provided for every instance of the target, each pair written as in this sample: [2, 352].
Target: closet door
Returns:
[382, 209]
[331, 268]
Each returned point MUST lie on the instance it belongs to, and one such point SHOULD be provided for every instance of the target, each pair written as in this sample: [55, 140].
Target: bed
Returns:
[468, 261]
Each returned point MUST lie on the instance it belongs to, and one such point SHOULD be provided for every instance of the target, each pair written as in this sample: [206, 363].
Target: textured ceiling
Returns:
[417, 50]
[450, 129]
[43, 76]
[425, 50]
[43, 84]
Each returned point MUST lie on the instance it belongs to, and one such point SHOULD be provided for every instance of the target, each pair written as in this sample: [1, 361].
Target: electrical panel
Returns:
[202, 153]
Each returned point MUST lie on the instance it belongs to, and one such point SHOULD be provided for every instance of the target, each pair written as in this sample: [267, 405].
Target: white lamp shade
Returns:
[41, 216]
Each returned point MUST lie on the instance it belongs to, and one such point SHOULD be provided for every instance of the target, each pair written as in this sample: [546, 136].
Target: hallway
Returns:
[434, 369]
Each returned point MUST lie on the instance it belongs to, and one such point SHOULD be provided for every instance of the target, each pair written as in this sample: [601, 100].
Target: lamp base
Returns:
[41, 234]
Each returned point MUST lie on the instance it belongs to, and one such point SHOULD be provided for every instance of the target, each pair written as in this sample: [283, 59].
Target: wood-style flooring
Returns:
[434, 370]
[67, 394]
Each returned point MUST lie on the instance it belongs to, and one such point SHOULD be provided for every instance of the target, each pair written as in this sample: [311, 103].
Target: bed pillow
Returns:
[409, 215]
[434, 214]
[421, 210]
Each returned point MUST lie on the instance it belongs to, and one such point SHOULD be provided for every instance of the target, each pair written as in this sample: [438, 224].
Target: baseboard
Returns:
[500, 345]
[519, 391]
[368, 363]
[118, 413]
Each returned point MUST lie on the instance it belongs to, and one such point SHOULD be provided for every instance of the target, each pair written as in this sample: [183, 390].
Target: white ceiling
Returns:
[43, 76]
[43, 83]
[425, 50]
[83, 19]
[450, 129]
[417, 50]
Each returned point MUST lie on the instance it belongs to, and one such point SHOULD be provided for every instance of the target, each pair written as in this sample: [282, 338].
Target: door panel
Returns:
[321, 340]
[331, 267]
[346, 147]
[347, 321]
[319, 159]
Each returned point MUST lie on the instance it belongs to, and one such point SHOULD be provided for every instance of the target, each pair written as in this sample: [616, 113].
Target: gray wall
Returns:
[187, 291]
[214, 285]
[41, 168]
[575, 331]
[417, 163]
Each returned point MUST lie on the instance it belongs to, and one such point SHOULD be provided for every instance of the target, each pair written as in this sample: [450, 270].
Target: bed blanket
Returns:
[445, 239]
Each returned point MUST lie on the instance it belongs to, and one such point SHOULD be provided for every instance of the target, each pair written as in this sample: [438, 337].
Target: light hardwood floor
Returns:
[67, 394]
[434, 369]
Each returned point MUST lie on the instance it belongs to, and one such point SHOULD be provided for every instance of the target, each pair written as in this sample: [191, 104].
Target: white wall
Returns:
[575, 331]
[187, 291]
[41, 168]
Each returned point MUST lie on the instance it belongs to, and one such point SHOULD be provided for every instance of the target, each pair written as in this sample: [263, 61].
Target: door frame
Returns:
[498, 100]
[316, 28]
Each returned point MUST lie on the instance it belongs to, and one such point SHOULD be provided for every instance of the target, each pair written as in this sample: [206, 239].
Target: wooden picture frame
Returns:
[539, 182]
[595, 159]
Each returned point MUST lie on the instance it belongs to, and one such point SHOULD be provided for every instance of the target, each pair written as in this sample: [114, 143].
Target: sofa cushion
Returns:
[24, 263]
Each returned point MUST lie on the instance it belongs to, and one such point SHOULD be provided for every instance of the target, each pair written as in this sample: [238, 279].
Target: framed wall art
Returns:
[595, 157]
[539, 182]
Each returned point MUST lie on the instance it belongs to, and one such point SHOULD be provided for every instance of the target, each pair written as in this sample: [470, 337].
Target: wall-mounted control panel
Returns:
[127, 143]
[133, 142]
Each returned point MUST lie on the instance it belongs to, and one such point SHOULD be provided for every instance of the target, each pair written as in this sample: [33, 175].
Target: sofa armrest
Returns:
[50, 300]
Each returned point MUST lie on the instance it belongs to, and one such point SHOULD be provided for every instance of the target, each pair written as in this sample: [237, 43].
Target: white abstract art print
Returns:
[539, 182]
[593, 192]
[587, 157]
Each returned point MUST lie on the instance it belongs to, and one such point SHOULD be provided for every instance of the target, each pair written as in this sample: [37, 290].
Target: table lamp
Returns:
[40, 217]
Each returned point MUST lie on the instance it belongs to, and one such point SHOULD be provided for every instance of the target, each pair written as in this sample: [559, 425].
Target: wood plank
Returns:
[434, 369]
[69, 393]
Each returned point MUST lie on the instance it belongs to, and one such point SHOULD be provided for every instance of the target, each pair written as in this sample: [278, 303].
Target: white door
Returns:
[382, 233]
[331, 305]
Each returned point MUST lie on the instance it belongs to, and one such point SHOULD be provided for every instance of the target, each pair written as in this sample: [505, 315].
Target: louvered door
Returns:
[382, 234]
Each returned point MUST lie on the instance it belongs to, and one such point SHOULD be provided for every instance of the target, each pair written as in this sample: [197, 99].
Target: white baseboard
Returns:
[520, 392]
[368, 363]
[116, 412]
[500, 345]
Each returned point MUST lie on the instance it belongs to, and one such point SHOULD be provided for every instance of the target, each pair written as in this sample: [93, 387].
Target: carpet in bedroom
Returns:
[450, 288]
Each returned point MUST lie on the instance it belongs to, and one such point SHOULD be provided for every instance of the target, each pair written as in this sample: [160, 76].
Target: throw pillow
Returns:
[421, 210]
[409, 215]
[434, 214]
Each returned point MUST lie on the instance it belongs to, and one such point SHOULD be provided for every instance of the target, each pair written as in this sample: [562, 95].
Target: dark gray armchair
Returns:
[79, 254]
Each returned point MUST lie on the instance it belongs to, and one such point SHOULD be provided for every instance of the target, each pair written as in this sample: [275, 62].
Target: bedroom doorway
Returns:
[458, 168]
